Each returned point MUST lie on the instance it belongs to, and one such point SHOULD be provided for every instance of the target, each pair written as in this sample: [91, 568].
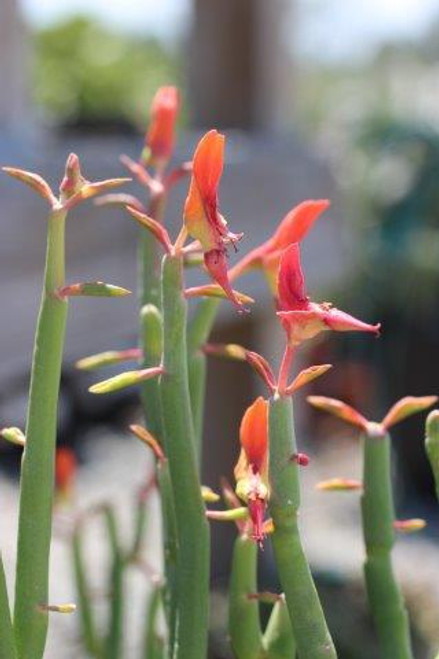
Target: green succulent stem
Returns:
[170, 545]
[244, 621]
[192, 527]
[307, 618]
[279, 640]
[37, 471]
[385, 598]
[7, 641]
[85, 610]
[200, 327]
[432, 445]
[152, 345]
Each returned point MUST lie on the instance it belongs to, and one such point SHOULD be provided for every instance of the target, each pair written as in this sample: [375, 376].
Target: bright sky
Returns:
[338, 28]
[325, 28]
[163, 17]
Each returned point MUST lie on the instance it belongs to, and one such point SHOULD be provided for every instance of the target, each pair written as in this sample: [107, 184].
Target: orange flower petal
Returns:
[254, 434]
[296, 224]
[292, 229]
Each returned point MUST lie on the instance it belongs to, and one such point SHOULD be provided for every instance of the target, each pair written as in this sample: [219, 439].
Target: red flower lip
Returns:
[301, 318]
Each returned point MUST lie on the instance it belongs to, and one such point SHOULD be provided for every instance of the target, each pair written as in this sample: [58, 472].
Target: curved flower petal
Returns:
[291, 292]
[296, 224]
[253, 434]
[201, 216]
[292, 229]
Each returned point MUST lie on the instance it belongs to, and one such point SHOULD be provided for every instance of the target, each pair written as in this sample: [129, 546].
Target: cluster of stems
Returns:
[171, 375]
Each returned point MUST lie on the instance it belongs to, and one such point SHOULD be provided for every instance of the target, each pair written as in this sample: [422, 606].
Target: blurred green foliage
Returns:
[90, 77]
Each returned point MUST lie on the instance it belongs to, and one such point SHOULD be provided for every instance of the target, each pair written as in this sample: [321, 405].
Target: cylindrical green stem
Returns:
[192, 527]
[170, 545]
[198, 334]
[279, 640]
[152, 346]
[7, 641]
[244, 621]
[37, 472]
[432, 445]
[307, 618]
[385, 599]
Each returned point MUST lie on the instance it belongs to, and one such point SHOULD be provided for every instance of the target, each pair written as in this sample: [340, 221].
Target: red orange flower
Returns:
[202, 219]
[292, 229]
[301, 318]
[160, 136]
[251, 471]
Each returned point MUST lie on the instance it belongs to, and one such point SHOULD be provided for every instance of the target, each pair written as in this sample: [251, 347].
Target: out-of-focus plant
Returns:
[86, 75]
[400, 166]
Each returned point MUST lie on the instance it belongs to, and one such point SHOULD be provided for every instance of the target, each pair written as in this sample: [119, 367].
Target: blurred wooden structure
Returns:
[241, 64]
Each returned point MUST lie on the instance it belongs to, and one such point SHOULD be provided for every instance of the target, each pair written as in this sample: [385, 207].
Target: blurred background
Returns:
[318, 99]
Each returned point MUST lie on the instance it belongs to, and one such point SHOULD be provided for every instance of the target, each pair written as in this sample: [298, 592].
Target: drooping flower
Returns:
[292, 229]
[160, 137]
[301, 318]
[202, 218]
[251, 471]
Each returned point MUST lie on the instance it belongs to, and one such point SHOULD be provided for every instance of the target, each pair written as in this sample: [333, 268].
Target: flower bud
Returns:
[13, 435]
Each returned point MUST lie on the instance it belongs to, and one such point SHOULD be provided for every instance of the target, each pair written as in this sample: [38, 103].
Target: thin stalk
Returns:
[149, 257]
[385, 599]
[244, 622]
[37, 472]
[279, 640]
[192, 528]
[140, 525]
[88, 626]
[154, 643]
[114, 641]
[306, 614]
[7, 641]
[198, 334]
